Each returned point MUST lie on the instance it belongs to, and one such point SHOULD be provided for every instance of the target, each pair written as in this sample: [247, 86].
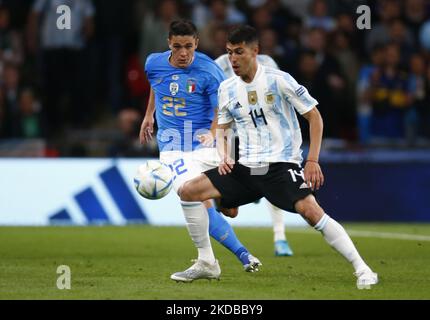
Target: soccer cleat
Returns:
[253, 264]
[366, 278]
[199, 270]
[282, 248]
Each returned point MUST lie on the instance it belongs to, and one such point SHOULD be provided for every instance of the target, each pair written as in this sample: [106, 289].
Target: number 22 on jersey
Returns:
[172, 106]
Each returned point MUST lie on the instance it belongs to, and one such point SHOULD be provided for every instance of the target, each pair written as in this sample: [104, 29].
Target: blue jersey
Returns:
[185, 99]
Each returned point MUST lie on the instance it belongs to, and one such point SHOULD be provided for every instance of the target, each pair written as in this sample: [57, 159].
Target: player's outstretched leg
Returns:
[282, 247]
[221, 231]
[206, 266]
[337, 237]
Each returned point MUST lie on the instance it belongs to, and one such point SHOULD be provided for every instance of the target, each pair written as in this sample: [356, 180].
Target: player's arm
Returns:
[147, 127]
[207, 139]
[313, 172]
[223, 144]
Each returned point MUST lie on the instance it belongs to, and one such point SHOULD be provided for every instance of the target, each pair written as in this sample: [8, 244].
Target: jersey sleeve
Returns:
[297, 94]
[224, 115]
[149, 67]
[269, 62]
[223, 63]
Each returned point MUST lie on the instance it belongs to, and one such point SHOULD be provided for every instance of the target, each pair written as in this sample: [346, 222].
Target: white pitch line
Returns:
[373, 234]
[388, 235]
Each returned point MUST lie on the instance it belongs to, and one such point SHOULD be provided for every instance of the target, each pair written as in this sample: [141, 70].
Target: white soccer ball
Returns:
[153, 180]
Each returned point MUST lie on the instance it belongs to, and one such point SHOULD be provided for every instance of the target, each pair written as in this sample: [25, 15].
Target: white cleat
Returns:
[199, 270]
[253, 265]
[366, 278]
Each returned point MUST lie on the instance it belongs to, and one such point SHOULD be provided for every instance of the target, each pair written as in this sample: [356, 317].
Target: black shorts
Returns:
[283, 185]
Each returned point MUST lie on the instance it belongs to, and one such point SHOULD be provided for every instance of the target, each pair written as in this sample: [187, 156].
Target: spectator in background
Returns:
[65, 69]
[219, 39]
[414, 15]
[292, 42]
[390, 97]
[112, 29]
[270, 46]
[346, 57]
[27, 123]
[11, 50]
[261, 18]
[388, 11]
[155, 28]
[418, 116]
[127, 143]
[400, 35]
[364, 99]
[348, 69]
[329, 84]
[345, 22]
[11, 83]
[221, 15]
[298, 8]
[281, 16]
[319, 18]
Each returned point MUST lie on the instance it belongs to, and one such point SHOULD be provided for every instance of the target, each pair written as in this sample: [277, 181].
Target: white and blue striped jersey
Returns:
[264, 113]
[226, 67]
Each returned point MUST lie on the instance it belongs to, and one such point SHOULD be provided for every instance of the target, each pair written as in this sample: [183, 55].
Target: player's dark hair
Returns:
[182, 28]
[246, 34]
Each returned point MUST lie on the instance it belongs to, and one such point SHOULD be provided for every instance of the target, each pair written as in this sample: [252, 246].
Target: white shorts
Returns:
[188, 165]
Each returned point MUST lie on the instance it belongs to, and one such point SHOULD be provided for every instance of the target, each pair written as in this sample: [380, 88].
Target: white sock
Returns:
[337, 237]
[197, 221]
[278, 222]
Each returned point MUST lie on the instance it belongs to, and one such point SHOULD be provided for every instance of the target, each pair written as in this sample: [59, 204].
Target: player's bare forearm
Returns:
[150, 108]
[315, 133]
[313, 172]
[147, 127]
[208, 138]
[223, 145]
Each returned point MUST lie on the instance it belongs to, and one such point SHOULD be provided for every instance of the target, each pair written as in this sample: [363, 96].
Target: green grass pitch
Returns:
[135, 262]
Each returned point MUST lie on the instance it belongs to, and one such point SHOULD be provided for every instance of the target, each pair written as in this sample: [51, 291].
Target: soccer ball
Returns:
[153, 180]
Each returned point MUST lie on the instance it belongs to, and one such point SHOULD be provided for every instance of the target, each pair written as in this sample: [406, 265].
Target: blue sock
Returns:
[221, 231]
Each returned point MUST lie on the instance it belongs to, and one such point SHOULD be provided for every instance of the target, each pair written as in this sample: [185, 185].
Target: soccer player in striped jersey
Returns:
[184, 85]
[282, 247]
[262, 101]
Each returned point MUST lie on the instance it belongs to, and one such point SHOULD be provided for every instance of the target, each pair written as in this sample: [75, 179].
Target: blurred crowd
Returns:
[373, 85]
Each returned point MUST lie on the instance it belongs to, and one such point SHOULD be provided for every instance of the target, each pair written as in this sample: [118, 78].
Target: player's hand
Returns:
[313, 175]
[146, 130]
[226, 165]
[206, 139]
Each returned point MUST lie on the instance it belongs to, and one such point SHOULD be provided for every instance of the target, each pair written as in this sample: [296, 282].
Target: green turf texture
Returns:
[135, 262]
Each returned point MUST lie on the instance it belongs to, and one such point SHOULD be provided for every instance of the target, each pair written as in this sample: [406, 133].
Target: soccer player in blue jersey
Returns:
[262, 102]
[184, 85]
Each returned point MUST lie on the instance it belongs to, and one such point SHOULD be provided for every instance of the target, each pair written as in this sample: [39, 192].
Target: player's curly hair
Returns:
[183, 28]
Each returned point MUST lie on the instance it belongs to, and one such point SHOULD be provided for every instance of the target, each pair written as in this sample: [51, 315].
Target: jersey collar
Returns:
[171, 65]
[256, 76]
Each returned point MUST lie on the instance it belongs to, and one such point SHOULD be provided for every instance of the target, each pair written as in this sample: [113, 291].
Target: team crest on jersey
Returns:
[252, 97]
[191, 85]
[269, 97]
[174, 88]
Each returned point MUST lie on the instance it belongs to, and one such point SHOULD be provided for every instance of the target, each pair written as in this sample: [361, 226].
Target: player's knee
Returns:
[310, 210]
[187, 192]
